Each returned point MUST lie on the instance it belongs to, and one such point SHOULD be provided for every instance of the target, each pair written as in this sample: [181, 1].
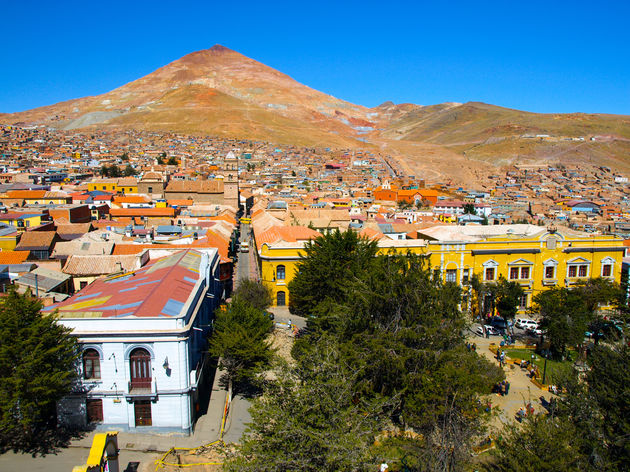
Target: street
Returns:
[66, 459]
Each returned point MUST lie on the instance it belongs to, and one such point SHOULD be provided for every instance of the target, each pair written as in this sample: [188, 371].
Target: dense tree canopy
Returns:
[37, 368]
[542, 444]
[507, 294]
[254, 293]
[400, 330]
[240, 341]
[566, 313]
[608, 383]
[313, 419]
[330, 261]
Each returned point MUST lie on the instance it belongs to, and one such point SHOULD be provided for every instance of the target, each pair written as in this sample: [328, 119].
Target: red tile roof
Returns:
[13, 257]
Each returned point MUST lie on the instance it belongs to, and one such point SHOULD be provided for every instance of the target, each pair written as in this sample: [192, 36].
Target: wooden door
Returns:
[142, 412]
[140, 365]
[94, 411]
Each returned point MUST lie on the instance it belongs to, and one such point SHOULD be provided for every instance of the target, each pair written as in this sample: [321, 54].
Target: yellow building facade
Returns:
[123, 185]
[535, 257]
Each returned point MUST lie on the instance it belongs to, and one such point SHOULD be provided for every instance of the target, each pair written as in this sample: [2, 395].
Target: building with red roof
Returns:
[142, 336]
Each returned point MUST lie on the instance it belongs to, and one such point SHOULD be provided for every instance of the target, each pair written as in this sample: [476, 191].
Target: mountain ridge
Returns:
[221, 91]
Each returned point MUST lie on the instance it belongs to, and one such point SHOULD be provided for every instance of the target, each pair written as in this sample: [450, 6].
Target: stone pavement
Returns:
[522, 390]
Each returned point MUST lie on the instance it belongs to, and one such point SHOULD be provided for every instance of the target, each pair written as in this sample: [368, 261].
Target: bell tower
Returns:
[231, 194]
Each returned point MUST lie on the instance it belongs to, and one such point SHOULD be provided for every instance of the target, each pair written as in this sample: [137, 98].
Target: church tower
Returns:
[231, 194]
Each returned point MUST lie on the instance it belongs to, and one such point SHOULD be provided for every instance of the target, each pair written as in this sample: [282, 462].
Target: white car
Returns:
[489, 329]
[535, 331]
[244, 247]
[526, 323]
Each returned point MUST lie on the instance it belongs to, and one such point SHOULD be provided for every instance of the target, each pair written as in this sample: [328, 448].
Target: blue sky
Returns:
[552, 56]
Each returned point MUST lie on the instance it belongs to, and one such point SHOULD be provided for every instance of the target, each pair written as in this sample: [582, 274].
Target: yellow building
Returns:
[279, 249]
[23, 220]
[123, 185]
[106, 185]
[127, 185]
[536, 257]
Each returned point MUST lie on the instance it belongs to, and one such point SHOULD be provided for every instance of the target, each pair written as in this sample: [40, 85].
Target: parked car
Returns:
[244, 247]
[605, 329]
[536, 331]
[489, 329]
[525, 323]
[499, 323]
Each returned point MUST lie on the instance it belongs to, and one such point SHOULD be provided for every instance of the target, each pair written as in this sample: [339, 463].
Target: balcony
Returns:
[142, 389]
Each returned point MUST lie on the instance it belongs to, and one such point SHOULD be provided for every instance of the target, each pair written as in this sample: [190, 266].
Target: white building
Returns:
[142, 336]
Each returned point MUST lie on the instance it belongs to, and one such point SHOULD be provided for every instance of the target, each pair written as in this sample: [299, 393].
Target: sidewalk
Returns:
[522, 390]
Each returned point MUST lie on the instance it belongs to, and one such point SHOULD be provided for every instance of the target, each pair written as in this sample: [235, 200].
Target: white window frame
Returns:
[450, 275]
[551, 263]
[607, 261]
[491, 264]
[577, 263]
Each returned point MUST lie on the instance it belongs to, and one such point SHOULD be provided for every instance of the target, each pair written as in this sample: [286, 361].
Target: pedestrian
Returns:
[507, 387]
[474, 347]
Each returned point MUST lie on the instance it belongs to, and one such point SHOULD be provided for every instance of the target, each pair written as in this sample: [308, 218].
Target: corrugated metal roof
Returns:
[155, 290]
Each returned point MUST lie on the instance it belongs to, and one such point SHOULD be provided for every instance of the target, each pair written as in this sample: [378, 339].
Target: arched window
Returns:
[140, 368]
[91, 364]
[280, 273]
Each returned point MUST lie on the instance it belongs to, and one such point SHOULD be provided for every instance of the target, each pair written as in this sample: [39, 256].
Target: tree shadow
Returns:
[246, 388]
[44, 440]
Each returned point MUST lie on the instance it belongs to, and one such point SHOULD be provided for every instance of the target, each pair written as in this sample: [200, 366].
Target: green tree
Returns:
[599, 291]
[130, 171]
[329, 263]
[160, 159]
[609, 388]
[542, 444]
[114, 171]
[172, 161]
[507, 294]
[470, 208]
[404, 205]
[254, 293]
[312, 418]
[37, 368]
[124, 157]
[565, 317]
[401, 330]
[104, 170]
[240, 341]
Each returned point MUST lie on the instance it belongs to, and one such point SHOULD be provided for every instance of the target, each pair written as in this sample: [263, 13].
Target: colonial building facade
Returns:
[535, 257]
[142, 335]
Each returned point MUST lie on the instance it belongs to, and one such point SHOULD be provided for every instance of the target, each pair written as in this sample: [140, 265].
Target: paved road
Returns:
[66, 459]
[244, 263]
